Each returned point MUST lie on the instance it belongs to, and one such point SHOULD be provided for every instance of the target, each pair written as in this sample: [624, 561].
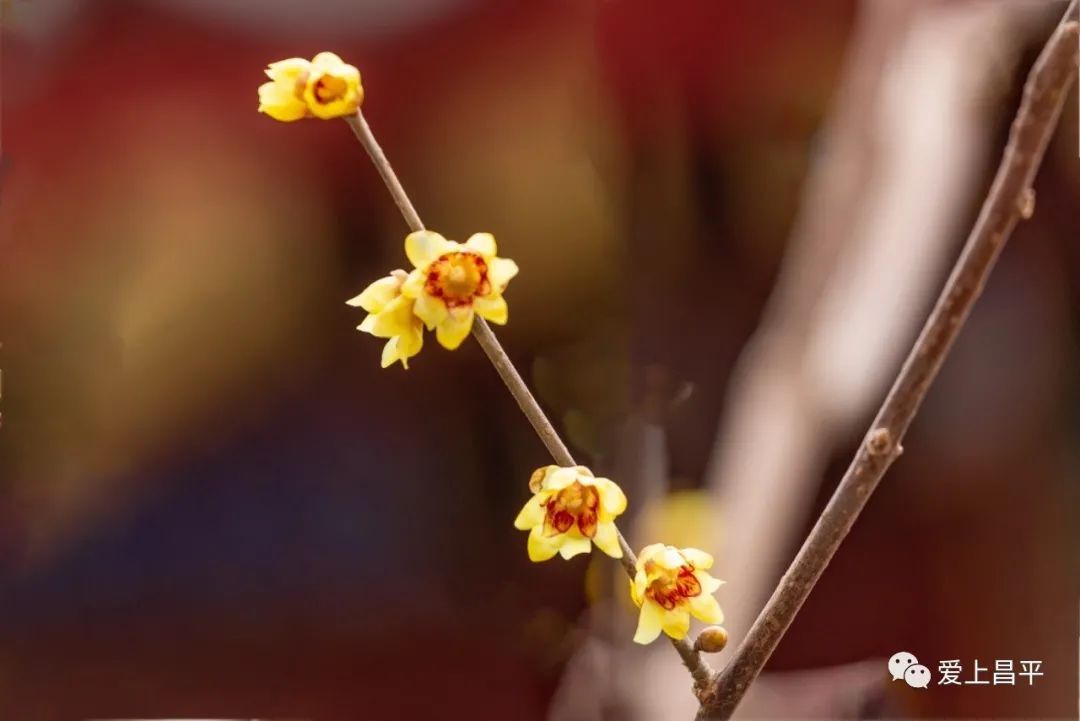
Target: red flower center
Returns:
[457, 278]
[671, 587]
[575, 504]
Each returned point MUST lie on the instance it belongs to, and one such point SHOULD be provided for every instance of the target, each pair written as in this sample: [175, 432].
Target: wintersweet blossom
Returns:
[324, 87]
[670, 585]
[452, 282]
[390, 315]
[570, 510]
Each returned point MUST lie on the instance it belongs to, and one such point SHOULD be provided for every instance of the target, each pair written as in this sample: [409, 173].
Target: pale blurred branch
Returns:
[903, 155]
[1010, 199]
[771, 404]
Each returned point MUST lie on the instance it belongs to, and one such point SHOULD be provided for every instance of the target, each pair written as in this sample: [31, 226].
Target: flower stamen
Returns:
[458, 278]
[329, 89]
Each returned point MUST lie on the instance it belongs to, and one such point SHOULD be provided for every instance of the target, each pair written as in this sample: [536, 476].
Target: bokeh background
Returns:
[731, 219]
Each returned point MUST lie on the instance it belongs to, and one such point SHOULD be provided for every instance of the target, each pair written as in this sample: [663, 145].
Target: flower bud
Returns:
[712, 639]
[323, 87]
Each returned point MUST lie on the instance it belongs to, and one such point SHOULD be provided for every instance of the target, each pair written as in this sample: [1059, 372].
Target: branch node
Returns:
[879, 442]
[1026, 204]
[707, 691]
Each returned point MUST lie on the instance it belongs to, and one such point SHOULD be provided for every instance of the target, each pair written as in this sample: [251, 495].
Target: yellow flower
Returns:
[569, 511]
[390, 315]
[333, 88]
[452, 282]
[324, 87]
[671, 585]
[283, 97]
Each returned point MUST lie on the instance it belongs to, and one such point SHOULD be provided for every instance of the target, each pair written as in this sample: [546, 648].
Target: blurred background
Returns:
[731, 219]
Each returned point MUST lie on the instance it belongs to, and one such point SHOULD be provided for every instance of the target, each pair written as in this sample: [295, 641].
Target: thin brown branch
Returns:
[525, 399]
[698, 667]
[1009, 200]
[360, 127]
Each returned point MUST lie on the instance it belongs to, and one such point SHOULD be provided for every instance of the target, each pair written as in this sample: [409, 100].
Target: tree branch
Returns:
[699, 669]
[1010, 199]
[363, 133]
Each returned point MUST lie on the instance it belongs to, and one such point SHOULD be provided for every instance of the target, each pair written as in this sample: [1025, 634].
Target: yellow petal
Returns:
[454, 328]
[430, 310]
[278, 101]
[494, 309]
[532, 514]
[482, 243]
[676, 622]
[390, 353]
[542, 548]
[395, 319]
[289, 69]
[706, 608]
[560, 478]
[650, 623]
[375, 297]
[424, 246]
[700, 559]
[637, 588]
[413, 287]
[670, 558]
[327, 60]
[647, 553]
[409, 344]
[500, 271]
[708, 583]
[368, 324]
[574, 544]
[607, 540]
[612, 498]
[539, 477]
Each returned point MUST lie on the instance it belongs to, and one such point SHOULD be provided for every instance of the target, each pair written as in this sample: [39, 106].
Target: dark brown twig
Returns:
[1009, 200]
[699, 669]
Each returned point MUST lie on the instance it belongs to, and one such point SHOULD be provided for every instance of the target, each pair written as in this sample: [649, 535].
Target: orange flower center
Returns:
[457, 278]
[670, 587]
[329, 88]
[575, 504]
